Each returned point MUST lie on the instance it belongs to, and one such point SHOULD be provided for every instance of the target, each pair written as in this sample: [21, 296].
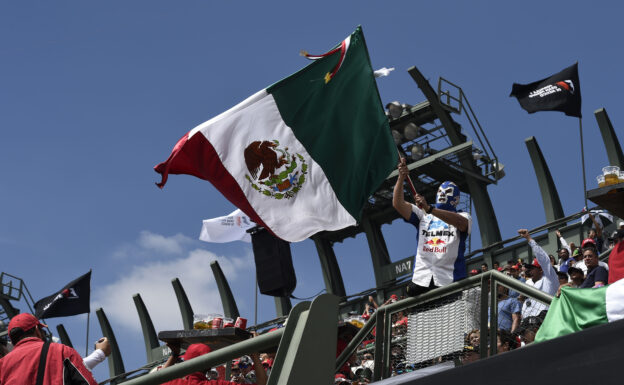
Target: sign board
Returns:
[398, 269]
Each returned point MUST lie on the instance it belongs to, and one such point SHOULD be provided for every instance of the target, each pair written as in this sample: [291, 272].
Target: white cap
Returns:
[620, 224]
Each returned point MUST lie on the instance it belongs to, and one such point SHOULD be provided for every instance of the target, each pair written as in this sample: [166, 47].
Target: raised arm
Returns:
[564, 244]
[398, 200]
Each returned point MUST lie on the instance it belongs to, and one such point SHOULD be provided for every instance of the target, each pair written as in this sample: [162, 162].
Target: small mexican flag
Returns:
[303, 155]
[578, 309]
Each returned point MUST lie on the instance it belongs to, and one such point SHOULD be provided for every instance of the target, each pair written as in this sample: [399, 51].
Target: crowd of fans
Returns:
[519, 318]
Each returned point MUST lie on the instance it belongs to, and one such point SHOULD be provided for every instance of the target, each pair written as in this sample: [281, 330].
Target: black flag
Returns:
[559, 92]
[70, 300]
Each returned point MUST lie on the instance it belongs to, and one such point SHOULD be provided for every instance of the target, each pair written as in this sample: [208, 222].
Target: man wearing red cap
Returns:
[63, 365]
[199, 378]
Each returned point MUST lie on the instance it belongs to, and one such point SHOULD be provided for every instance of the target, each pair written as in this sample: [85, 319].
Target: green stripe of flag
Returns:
[341, 123]
[574, 310]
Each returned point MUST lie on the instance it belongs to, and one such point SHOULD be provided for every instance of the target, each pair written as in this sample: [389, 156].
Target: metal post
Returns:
[87, 341]
[493, 315]
[583, 162]
[379, 344]
[484, 316]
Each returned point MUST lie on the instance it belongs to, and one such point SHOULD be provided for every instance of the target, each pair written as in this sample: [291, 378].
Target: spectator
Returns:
[595, 233]
[442, 233]
[63, 364]
[528, 329]
[563, 278]
[504, 341]
[544, 279]
[474, 272]
[514, 272]
[589, 242]
[508, 310]
[564, 254]
[484, 267]
[616, 258]
[495, 266]
[576, 277]
[596, 276]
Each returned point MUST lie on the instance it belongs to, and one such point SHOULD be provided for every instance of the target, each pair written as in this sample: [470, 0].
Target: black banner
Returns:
[72, 299]
[559, 92]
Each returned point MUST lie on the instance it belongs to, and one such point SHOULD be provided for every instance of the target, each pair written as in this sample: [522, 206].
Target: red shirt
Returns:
[63, 365]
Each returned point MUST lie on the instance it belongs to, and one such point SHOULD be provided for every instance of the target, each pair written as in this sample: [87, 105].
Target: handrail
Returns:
[257, 344]
[443, 291]
[543, 227]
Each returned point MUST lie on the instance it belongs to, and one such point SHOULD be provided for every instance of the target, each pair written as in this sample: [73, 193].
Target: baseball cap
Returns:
[530, 323]
[474, 271]
[576, 252]
[588, 242]
[532, 264]
[394, 297]
[573, 269]
[25, 321]
[196, 350]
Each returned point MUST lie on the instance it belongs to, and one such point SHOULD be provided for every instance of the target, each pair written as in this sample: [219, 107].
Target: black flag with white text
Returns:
[72, 299]
[559, 92]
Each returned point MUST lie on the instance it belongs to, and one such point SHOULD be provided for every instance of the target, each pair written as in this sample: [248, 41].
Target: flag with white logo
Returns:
[229, 228]
[303, 155]
[72, 299]
[559, 92]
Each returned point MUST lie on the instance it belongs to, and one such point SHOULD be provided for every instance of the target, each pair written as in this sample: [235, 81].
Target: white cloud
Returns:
[153, 281]
[151, 244]
[162, 244]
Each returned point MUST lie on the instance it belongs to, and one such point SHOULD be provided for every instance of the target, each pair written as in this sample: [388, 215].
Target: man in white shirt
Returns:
[441, 236]
[543, 277]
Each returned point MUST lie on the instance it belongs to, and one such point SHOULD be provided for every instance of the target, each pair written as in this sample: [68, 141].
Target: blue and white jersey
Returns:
[440, 252]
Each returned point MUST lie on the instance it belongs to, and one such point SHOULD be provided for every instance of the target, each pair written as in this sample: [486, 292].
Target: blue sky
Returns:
[94, 94]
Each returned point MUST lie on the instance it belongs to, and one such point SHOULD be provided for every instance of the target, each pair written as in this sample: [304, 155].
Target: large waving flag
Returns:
[578, 309]
[303, 155]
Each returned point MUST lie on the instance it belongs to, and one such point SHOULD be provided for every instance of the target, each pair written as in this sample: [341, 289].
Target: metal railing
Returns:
[488, 308]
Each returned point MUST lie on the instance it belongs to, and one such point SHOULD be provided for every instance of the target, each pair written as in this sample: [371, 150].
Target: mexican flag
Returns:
[578, 309]
[303, 155]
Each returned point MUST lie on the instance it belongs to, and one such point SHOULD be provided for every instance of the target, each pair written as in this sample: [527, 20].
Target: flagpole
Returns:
[583, 161]
[87, 343]
[256, 302]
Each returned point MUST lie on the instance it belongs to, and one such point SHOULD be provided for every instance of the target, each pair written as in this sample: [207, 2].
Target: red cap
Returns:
[500, 269]
[516, 267]
[588, 241]
[474, 271]
[25, 321]
[394, 297]
[535, 263]
[196, 350]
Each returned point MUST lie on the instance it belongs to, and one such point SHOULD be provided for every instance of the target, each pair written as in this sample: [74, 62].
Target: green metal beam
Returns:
[115, 362]
[486, 216]
[60, 329]
[378, 250]
[294, 359]
[329, 265]
[185, 306]
[611, 142]
[548, 189]
[230, 309]
[149, 332]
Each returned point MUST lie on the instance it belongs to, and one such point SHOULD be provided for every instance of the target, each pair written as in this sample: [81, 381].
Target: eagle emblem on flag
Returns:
[273, 171]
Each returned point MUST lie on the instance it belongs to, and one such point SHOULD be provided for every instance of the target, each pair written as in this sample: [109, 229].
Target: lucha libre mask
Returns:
[447, 197]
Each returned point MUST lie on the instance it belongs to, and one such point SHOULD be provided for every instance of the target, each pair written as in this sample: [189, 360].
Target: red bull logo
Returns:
[435, 242]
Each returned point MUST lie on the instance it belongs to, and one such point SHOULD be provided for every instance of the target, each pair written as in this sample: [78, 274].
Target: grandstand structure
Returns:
[443, 140]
